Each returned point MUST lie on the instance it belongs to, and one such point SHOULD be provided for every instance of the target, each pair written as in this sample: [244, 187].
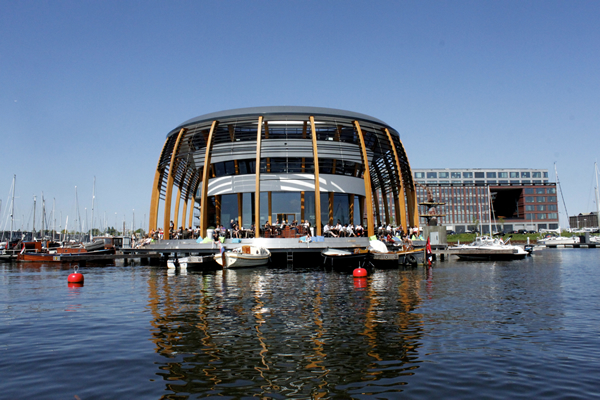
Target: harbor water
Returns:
[464, 330]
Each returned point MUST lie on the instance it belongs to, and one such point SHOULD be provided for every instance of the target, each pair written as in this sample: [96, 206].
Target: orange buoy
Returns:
[75, 277]
[359, 272]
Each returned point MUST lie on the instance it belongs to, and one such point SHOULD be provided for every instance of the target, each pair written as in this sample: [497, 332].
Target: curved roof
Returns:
[279, 110]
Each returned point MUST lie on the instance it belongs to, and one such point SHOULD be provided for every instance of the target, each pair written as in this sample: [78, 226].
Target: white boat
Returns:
[486, 248]
[340, 258]
[190, 262]
[554, 240]
[243, 257]
[382, 256]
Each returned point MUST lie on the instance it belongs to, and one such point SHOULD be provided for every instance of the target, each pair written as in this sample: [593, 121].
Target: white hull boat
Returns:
[190, 262]
[244, 257]
[486, 248]
[558, 240]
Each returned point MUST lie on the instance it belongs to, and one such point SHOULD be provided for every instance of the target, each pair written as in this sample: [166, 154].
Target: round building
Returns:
[265, 164]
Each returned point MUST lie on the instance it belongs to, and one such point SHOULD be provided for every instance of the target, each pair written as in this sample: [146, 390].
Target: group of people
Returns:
[346, 230]
[277, 228]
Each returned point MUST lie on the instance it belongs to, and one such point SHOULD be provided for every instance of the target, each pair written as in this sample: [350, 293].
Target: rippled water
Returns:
[521, 329]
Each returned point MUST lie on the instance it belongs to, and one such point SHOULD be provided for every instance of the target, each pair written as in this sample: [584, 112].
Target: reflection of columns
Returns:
[204, 193]
[170, 180]
[367, 179]
[317, 185]
[257, 185]
[156, 192]
[398, 200]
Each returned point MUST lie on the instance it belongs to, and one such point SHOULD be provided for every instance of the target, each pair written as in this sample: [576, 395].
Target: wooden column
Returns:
[218, 209]
[170, 180]
[330, 207]
[270, 201]
[302, 207]
[257, 184]
[386, 210]
[193, 204]
[401, 206]
[156, 192]
[205, 172]
[367, 179]
[351, 208]
[240, 200]
[177, 206]
[317, 186]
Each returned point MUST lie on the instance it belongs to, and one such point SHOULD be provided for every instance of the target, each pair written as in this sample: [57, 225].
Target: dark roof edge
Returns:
[279, 110]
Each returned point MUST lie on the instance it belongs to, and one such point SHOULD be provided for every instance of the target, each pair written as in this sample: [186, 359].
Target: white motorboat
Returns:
[341, 258]
[190, 262]
[554, 240]
[486, 248]
[243, 257]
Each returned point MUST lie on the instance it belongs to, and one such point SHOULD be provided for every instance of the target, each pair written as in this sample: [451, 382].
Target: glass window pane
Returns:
[490, 174]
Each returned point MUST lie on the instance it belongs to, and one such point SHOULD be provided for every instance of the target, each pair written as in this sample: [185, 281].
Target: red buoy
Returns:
[359, 272]
[75, 277]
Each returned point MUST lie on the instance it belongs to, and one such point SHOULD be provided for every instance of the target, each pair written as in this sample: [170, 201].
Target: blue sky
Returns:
[91, 88]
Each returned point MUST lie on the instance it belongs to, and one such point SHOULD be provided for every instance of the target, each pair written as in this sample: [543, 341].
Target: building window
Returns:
[537, 181]
[443, 175]
[490, 174]
[525, 175]
[541, 207]
[529, 199]
[467, 175]
[551, 190]
[525, 181]
[528, 190]
[536, 174]
[540, 191]
[541, 216]
[479, 181]
[517, 182]
[479, 175]
[552, 216]
[455, 175]
[502, 181]
[529, 216]
[552, 207]
[502, 174]
[431, 175]
[551, 199]
[546, 174]
[491, 182]
[419, 175]
[468, 182]
[541, 199]
[529, 208]
[514, 174]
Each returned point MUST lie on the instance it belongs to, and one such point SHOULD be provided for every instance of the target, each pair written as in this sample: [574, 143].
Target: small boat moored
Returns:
[345, 258]
[243, 257]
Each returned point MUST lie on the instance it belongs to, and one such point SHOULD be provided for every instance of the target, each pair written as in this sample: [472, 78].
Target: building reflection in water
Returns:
[270, 332]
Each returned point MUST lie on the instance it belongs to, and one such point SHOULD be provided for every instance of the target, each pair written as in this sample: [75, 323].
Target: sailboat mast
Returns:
[93, 198]
[33, 228]
[563, 198]
[490, 209]
[12, 211]
[53, 218]
[43, 215]
[597, 197]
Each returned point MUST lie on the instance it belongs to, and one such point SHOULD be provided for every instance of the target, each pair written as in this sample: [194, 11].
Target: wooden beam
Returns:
[270, 201]
[218, 209]
[330, 207]
[367, 180]
[302, 207]
[156, 191]
[351, 208]
[170, 180]
[177, 206]
[240, 200]
[317, 186]
[185, 206]
[401, 206]
[205, 175]
[257, 183]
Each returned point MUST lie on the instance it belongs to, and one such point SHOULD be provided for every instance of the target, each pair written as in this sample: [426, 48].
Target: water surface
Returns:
[520, 329]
